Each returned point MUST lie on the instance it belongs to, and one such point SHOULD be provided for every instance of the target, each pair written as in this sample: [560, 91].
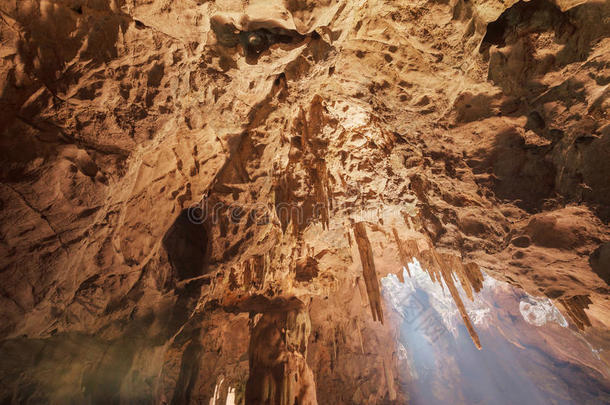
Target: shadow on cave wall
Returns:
[523, 34]
[516, 171]
[189, 371]
[188, 249]
[53, 34]
[600, 262]
[531, 39]
[540, 16]
[69, 367]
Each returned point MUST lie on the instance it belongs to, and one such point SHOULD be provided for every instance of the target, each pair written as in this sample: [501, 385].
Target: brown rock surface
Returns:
[179, 180]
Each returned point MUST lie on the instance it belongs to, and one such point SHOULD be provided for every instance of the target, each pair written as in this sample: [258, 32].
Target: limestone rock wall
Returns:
[179, 183]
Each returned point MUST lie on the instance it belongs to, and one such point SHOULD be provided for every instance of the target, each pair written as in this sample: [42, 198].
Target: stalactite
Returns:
[362, 290]
[441, 269]
[429, 264]
[258, 266]
[575, 308]
[359, 335]
[404, 258]
[458, 269]
[321, 192]
[318, 205]
[368, 270]
[247, 275]
[448, 278]
[474, 275]
[389, 378]
[333, 358]
[233, 284]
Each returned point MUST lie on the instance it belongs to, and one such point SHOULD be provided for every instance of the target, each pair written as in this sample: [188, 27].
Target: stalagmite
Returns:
[279, 374]
[368, 270]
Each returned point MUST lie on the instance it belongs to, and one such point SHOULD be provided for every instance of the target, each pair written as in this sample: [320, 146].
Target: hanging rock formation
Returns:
[199, 198]
[368, 271]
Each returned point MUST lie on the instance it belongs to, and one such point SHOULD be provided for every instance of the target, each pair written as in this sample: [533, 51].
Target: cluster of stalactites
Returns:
[442, 268]
[575, 308]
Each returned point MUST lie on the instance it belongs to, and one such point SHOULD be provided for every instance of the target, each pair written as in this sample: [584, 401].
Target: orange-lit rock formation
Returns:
[199, 198]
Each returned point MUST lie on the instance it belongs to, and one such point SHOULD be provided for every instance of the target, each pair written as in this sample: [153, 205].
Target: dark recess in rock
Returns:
[306, 269]
[600, 262]
[187, 244]
[254, 41]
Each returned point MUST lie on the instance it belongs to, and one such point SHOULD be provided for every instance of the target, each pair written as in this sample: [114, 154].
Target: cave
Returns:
[300, 202]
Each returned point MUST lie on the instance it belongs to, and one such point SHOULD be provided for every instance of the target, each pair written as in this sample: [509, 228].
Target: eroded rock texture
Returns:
[197, 197]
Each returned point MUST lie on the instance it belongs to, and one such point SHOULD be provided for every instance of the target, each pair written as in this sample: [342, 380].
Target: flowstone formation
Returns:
[199, 198]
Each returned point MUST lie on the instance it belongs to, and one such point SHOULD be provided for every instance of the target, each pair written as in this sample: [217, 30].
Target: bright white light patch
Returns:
[539, 311]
